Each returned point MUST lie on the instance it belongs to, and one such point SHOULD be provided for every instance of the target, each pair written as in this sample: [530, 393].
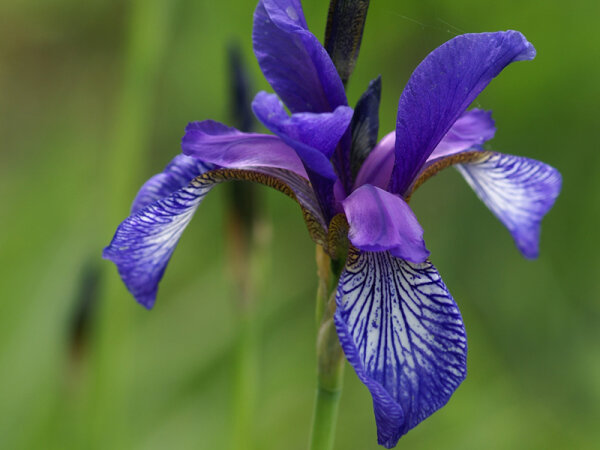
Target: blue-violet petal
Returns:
[403, 334]
[314, 137]
[144, 242]
[176, 175]
[470, 131]
[227, 147]
[377, 167]
[519, 191]
[293, 60]
[440, 90]
[382, 221]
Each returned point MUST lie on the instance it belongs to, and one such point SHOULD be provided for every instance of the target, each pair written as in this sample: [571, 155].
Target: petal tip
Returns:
[106, 253]
[147, 301]
[530, 253]
[529, 52]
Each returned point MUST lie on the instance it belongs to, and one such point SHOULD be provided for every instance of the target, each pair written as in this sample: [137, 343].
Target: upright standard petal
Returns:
[440, 90]
[519, 191]
[293, 60]
[378, 166]
[403, 334]
[470, 131]
[382, 221]
[314, 137]
[321, 132]
[224, 146]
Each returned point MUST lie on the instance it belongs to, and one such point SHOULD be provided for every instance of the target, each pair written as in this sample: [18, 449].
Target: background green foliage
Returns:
[94, 97]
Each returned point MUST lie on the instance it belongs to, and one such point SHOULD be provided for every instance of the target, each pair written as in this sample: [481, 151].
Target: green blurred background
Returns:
[94, 98]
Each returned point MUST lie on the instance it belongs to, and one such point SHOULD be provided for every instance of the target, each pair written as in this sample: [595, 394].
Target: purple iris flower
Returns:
[397, 323]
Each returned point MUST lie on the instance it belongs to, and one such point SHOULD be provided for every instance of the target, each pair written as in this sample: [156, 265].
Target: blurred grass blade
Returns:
[148, 36]
[247, 252]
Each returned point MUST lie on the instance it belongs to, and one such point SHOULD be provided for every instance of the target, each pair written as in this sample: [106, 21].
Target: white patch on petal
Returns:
[291, 12]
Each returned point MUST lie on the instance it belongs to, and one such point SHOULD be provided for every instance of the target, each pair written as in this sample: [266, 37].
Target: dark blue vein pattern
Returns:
[144, 242]
[519, 191]
[403, 334]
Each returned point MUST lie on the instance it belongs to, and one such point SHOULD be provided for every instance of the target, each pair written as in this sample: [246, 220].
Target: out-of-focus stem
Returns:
[245, 383]
[248, 239]
[147, 38]
[248, 258]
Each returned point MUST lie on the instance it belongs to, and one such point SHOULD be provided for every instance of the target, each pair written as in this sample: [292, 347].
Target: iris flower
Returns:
[397, 323]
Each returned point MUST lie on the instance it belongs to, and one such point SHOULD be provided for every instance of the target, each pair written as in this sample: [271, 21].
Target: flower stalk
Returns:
[330, 357]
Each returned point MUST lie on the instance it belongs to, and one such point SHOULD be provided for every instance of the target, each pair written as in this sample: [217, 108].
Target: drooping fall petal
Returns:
[144, 242]
[403, 334]
[519, 191]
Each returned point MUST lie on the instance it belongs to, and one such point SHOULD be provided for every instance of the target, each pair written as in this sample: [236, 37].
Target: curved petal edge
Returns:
[403, 334]
[293, 60]
[382, 221]
[176, 175]
[144, 242]
[519, 191]
[440, 90]
[471, 130]
[215, 143]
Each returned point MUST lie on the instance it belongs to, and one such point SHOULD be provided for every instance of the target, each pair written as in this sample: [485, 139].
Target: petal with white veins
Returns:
[176, 175]
[144, 242]
[519, 191]
[403, 334]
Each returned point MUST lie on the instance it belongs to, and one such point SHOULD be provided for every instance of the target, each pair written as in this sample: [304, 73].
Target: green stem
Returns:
[324, 419]
[329, 387]
[330, 361]
[324, 288]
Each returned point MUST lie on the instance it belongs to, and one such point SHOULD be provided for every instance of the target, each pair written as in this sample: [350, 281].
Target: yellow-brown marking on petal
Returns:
[337, 236]
[433, 169]
[315, 229]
